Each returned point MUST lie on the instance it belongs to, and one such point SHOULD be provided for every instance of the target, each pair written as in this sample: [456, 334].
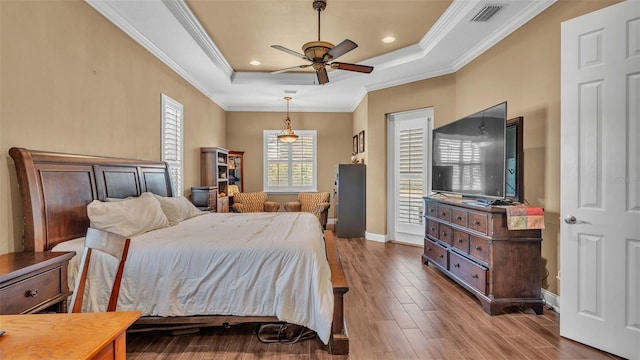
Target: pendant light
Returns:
[287, 135]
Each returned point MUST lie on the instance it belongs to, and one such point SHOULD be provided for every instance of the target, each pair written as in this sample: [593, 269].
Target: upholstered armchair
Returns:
[315, 203]
[253, 202]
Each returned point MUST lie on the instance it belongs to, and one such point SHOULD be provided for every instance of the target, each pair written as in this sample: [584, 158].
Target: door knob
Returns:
[570, 220]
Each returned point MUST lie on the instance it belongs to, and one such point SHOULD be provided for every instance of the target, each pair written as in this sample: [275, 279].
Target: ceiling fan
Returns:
[322, 54]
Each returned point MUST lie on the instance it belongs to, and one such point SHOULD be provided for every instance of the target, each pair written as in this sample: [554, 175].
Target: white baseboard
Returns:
[552, 300]
[375, 237]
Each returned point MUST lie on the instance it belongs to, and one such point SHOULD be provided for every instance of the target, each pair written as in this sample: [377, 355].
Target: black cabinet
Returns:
[349, 196]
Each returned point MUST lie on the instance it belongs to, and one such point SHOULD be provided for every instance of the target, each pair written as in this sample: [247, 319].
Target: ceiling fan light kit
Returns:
[322, 53]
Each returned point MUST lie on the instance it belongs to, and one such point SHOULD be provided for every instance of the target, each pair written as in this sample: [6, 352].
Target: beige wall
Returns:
[524, 70]
[244, 133]
[360, 123]
[438, 93]
[71, 81]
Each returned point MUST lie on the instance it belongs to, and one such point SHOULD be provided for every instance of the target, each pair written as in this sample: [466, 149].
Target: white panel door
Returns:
[408, 139]
[600, 180]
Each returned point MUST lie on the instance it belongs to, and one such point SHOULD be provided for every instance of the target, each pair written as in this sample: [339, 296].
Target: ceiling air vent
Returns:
[486, 13]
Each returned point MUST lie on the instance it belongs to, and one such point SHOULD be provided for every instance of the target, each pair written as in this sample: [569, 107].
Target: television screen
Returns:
[469, 155]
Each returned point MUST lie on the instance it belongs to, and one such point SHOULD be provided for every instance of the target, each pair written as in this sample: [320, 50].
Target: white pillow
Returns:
[177, 208]
[129, 217]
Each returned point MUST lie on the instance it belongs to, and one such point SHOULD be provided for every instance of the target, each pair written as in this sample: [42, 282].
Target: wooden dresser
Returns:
[32, 281]
[472, 245]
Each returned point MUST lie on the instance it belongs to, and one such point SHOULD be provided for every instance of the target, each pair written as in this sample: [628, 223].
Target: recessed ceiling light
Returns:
[255, 62]
[388, 39]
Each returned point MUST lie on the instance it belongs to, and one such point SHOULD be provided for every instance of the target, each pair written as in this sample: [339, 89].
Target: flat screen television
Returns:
[468, 156]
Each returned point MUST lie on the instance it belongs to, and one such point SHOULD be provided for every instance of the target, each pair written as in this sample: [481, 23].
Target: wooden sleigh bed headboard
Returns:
[55, 189]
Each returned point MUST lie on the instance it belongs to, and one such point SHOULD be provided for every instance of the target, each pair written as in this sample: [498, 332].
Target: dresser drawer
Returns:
[478, 222]
[432, 210]
[470, 272]
[446, 234]
[29, 293]
[433, 229]
[444, 213]
[479, 248]
[436, 253]
[461, 240]
[459, 217]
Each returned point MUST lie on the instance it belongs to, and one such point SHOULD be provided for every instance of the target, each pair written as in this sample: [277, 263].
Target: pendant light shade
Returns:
[287, 135]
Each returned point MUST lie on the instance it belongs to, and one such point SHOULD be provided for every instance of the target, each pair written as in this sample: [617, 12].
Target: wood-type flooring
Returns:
[396, 308]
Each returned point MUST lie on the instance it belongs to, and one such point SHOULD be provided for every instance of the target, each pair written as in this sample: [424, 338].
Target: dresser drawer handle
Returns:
[458, 217]
[428, 249]
[478, 248]
[460, 241]
[444, 234]
[475, 276]
[441, 256]
[433, 229]
[444, 213]
[456, 265]
[476, 222]
[31, 293]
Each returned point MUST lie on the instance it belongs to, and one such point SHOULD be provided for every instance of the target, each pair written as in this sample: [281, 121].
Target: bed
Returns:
[56, 188]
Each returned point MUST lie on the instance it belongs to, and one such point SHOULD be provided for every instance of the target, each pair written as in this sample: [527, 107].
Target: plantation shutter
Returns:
[411, 144]
[172, 144]
[290, 167]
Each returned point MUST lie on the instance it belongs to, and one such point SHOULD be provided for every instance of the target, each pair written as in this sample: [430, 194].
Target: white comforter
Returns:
[261, 264]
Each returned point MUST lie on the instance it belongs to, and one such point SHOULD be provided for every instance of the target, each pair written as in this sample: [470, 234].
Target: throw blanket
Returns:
[524, 217]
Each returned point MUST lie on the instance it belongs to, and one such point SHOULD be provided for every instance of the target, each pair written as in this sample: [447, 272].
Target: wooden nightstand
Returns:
[33, 281]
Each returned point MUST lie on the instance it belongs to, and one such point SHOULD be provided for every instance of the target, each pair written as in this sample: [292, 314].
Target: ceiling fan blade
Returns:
[289, 51]
[290, 68]
[352, 67]
[323, 78]
[344, 47]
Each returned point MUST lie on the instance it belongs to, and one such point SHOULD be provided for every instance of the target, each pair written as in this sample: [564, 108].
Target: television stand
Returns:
[472, 245]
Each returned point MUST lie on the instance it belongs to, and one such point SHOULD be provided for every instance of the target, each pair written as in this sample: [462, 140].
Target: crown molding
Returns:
[188, 20]
[455, 13]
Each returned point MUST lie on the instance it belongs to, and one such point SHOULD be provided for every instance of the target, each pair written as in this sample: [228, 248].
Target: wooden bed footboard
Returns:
[56, 188]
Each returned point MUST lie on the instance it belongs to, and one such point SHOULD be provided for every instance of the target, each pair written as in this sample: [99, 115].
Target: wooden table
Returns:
[66, 336]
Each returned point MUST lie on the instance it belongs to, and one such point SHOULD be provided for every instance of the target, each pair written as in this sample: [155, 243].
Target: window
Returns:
[290, 167]
[411, 153]
[172, 152]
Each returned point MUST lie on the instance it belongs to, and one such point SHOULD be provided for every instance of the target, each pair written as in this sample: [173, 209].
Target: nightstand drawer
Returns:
[31, 292]
[33, 281]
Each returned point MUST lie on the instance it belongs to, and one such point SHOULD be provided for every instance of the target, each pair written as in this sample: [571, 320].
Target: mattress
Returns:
[258, 264]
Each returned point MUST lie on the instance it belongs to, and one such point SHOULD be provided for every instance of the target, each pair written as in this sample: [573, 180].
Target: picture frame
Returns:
[354, 149]
[361, 141]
